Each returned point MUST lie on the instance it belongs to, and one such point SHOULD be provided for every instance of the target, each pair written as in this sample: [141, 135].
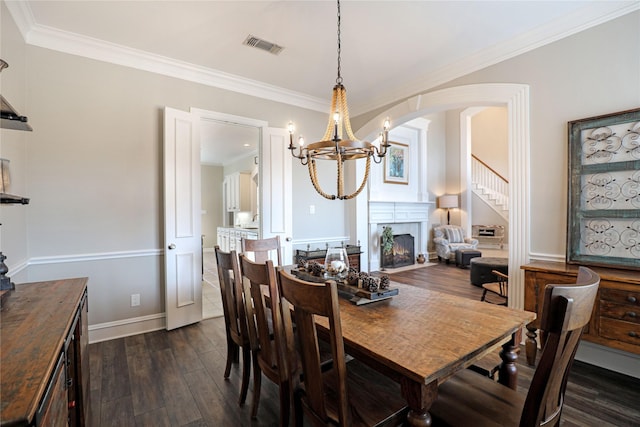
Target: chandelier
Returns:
[334, 147]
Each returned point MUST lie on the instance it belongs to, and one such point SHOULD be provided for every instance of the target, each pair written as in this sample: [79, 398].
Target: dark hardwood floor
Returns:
[175, 378]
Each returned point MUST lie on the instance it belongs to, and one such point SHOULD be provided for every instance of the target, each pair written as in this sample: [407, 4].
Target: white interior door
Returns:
[182, 216]
[276, 188]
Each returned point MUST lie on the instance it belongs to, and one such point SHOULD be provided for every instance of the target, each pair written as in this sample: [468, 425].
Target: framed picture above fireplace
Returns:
[604, 190]
[396, 164]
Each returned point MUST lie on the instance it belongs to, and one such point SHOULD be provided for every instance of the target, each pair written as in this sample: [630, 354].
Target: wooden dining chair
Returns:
[266, 332]
[263, 249]
[347, 394]
[235, 319]
[499, 288]
[471, 399]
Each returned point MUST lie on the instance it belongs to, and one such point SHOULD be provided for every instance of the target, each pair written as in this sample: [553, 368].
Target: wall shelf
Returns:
[11, 199]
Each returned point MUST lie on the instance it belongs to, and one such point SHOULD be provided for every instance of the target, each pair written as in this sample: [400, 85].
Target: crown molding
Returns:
[62, 41]
[42, 36]
[590, 16]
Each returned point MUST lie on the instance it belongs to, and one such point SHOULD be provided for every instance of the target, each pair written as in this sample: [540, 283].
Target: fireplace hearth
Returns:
[402, 253]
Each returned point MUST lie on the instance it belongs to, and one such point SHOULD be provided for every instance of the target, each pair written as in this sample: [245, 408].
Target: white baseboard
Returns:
[609, 358]
[127, 327]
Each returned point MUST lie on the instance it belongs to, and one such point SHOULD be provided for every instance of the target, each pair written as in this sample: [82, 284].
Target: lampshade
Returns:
[448, 201]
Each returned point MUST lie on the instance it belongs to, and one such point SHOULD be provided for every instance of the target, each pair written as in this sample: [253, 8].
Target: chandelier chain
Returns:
[332, 146]
[339, 78]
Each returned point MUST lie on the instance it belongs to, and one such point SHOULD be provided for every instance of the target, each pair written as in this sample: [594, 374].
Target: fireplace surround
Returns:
[404, 218]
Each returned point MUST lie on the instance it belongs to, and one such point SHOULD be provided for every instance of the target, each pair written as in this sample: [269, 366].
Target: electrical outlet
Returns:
[135, 300]
[312, 209]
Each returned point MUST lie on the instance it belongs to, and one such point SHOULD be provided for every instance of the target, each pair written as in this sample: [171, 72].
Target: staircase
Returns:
[492, 188]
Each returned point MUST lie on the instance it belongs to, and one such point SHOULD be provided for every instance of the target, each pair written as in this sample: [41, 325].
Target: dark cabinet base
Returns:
[318, 255]
[615, 321]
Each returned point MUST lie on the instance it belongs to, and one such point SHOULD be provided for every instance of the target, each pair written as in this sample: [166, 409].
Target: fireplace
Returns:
[404, 218]
[402, 253]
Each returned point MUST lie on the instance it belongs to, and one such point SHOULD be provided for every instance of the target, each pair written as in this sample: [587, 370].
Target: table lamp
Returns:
[448, 202]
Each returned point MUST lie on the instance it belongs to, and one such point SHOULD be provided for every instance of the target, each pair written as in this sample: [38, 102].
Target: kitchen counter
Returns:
[230, 238]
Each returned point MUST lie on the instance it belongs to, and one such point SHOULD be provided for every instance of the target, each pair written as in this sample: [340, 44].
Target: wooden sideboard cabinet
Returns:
[615, 321]
[44, 357]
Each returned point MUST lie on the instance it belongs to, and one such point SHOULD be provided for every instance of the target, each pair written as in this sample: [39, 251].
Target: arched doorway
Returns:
[515, 97]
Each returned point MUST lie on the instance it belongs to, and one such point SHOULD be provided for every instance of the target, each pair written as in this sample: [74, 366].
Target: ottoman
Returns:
[463, 256]
[481, 269]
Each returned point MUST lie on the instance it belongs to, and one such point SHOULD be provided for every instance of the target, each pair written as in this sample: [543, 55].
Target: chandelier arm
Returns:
[364, 180]
[314, 180]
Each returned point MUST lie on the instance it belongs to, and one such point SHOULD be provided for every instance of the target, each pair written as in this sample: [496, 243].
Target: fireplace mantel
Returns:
[398, 212]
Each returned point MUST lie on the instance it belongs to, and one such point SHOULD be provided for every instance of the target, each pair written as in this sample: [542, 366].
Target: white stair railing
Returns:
[490, 186]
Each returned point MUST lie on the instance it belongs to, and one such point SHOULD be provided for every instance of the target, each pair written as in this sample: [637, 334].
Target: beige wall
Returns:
[489, 143]
[568, 80]
[489, 132]
[93, 170]
[13, 146]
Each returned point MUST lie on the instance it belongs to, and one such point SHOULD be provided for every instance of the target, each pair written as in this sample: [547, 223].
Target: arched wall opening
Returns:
[515, 97]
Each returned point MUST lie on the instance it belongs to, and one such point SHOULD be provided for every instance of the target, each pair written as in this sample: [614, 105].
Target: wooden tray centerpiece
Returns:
[358, 287]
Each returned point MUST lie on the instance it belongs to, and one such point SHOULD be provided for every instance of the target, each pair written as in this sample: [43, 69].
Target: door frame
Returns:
[278, 222]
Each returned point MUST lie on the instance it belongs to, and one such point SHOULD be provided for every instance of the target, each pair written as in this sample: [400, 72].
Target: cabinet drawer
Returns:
[621, 296]
[615, 311]
[620, 330]
[555, 279]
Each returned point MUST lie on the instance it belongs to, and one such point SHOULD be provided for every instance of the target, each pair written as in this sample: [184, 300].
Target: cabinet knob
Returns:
[631, 299]
[172, 246]
[633, 334]
[288, 239]
[631, 313]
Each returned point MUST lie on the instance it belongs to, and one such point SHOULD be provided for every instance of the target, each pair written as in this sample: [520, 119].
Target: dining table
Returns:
[421, 337]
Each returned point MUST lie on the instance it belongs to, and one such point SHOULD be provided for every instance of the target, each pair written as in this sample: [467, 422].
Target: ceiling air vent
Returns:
[258, 43]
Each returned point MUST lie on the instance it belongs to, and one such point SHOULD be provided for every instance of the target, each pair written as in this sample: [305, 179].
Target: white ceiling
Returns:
[390, 49]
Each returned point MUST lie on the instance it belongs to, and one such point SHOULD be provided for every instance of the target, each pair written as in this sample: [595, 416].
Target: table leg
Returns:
[419, 397]
[508, 374]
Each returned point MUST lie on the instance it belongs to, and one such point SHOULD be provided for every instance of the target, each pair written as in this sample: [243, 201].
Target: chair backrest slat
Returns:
[566, 310]
[263, 249]
[233, 305]
[264, 320]
[310, 300]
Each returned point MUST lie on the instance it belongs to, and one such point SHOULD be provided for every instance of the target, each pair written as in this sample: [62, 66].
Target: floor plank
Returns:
[175, 378]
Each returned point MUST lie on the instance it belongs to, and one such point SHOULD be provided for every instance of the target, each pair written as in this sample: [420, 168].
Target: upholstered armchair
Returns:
[448, 239]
